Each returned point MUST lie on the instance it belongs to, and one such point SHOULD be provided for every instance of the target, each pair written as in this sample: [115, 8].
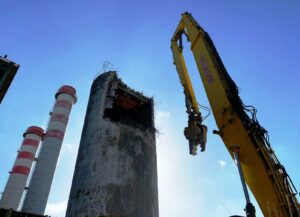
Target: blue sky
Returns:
[66, 42]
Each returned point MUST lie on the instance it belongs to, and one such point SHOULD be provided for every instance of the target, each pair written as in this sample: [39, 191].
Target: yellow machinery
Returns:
[246, 141]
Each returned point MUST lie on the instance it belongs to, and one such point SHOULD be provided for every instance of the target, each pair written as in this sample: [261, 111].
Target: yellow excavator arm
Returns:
[240, 132]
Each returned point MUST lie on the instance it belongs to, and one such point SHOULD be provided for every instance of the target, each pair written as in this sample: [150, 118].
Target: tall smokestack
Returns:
[115, 172]
[18, 176]
[39, 187]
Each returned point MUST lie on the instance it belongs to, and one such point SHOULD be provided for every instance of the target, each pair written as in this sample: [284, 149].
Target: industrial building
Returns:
[8, 70]
[116, 171]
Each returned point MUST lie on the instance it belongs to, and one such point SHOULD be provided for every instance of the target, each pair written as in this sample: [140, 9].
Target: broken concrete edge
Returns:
[120, 85]
[124, 86]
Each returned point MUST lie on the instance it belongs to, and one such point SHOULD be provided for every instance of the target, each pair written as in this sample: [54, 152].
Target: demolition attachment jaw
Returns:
[195, 133]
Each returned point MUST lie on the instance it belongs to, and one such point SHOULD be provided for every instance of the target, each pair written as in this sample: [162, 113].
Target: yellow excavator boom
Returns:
[265, 176]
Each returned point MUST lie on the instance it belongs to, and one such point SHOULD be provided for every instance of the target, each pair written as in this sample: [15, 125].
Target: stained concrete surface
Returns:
[116, 172]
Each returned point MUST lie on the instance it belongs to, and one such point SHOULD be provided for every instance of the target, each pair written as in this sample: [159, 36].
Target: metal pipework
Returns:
[249, 209]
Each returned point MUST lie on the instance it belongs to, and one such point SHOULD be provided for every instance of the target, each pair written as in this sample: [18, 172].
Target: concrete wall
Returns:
[116, 172]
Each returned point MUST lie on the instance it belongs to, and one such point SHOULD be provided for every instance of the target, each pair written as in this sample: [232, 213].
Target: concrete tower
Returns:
[17, 180]
[115, 173]
[39, 187]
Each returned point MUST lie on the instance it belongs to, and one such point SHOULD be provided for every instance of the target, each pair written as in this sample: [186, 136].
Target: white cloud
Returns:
[44, 127]
[56, 209]
[160, 119]
[67, 146]
[221, 163]
[162, 115]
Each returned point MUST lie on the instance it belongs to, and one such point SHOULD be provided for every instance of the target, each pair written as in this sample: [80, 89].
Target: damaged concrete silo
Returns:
[116, 172]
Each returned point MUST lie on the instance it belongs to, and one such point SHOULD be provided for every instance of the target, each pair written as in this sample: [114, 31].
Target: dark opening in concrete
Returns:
[129, 108]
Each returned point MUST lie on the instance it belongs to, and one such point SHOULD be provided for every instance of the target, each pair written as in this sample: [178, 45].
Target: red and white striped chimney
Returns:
[39, 188]
[17, 180]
